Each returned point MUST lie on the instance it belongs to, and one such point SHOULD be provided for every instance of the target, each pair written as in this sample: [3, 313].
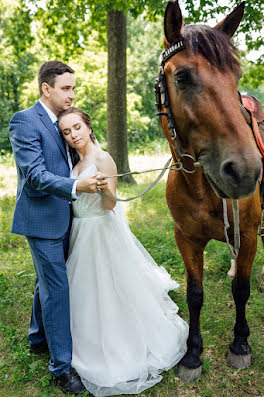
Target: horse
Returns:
[217, 157]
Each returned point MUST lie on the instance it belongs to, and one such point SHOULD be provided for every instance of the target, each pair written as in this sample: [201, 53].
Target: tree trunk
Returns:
[116, 93]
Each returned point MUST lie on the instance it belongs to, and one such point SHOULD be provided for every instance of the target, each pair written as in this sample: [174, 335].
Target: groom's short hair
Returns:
[48, 72]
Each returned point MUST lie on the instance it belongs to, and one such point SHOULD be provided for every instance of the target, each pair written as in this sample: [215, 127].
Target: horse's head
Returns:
[202, 82]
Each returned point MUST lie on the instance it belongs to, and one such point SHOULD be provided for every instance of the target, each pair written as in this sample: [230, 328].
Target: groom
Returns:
[43, 215]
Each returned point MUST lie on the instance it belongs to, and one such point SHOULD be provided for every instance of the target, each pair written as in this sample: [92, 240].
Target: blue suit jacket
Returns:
[44, 187]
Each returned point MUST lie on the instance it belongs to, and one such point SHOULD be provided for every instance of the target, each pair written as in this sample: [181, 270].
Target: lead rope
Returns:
[233, 252]
[167, 166]
[178, 166]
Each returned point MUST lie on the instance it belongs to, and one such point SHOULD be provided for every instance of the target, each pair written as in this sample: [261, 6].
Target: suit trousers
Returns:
[50, 318]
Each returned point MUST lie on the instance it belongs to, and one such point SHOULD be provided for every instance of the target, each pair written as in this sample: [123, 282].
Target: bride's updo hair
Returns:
[85, 117]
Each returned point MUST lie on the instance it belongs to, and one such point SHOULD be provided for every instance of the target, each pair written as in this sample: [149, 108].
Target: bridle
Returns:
[162, 100]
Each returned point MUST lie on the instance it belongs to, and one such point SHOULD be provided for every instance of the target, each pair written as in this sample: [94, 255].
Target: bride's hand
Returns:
[101, 183]
[107, 166]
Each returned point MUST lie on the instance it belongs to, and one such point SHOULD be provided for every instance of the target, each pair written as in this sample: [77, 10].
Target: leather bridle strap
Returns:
[162, 97]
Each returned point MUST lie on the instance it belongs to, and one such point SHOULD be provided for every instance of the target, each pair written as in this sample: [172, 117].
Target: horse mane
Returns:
[213, 44]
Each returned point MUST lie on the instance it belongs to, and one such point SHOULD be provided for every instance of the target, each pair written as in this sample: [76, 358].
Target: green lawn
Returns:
[22, 374]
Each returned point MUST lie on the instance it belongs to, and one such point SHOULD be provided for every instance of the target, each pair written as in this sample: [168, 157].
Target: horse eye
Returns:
[183, 78]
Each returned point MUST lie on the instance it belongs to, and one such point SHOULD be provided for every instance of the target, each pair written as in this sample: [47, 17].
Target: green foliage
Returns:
[253, 78]
[62, 28]
[15, 60]
[91, 85]
[144, 48]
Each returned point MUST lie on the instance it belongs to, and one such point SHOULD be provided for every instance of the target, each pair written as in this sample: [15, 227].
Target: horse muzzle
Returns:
[234, 177]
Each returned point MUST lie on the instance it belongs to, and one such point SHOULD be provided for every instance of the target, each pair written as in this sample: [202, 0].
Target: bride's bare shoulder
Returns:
[104, 161]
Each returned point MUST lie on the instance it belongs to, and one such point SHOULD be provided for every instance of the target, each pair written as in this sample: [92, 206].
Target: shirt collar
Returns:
[52, 116]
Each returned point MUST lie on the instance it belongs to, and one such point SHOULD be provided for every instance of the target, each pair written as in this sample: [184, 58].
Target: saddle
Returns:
[255, 120]
[253, 105]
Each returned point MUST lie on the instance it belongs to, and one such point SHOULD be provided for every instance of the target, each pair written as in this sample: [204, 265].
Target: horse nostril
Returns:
[230, 171]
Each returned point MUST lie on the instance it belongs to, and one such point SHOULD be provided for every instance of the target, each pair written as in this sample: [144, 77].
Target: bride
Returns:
[125, 328]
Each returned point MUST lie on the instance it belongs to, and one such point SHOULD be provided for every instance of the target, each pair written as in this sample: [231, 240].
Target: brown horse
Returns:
[204, 120]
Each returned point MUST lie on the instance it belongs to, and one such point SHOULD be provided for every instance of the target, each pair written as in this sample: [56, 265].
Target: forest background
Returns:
[75, 32]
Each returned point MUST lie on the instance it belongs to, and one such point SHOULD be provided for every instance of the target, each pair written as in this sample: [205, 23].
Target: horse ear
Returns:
[173, 22]
[230, 24]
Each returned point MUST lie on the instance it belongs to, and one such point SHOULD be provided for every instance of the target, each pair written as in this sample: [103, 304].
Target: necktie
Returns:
[65, 145]
[56, 125]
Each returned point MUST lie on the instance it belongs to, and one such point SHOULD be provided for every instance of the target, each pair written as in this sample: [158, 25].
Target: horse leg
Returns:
[190, 366]
[261, 287]
[239, 355]
[231, 272]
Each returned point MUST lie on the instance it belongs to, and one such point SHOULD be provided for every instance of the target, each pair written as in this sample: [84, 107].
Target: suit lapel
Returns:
[44, 117]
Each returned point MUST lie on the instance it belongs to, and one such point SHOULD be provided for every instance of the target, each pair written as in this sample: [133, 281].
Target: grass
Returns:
[22, 374]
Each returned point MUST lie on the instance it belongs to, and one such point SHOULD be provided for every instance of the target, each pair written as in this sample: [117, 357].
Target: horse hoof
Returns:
[238, 361]
[189, 374]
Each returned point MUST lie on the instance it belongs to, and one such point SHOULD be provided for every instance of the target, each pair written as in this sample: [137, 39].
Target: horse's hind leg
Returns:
[190, 367]
[239, 351]
[261, 287]
[231, 272]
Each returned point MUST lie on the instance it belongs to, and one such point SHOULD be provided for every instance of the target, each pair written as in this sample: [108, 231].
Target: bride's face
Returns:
[74, 130]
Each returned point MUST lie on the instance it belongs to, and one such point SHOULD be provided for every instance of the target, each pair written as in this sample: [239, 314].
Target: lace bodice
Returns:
[89, 205]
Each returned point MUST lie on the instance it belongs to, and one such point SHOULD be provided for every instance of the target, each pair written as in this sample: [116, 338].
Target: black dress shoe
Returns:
[39, 348]
[70, 382]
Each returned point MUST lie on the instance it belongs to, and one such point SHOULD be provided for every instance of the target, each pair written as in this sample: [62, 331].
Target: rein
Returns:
[178, 166]
[235, 205]
[166, 167]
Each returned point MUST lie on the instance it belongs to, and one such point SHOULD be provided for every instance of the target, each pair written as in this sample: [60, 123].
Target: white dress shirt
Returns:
[54, 118]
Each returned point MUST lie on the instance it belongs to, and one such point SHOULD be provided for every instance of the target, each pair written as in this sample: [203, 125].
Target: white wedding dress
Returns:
[125, 328]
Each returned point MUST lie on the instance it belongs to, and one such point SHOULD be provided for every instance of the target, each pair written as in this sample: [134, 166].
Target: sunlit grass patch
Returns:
[7, 180]
[143, 162]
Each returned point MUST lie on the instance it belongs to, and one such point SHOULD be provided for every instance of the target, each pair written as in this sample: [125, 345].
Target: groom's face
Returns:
[61, 96]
